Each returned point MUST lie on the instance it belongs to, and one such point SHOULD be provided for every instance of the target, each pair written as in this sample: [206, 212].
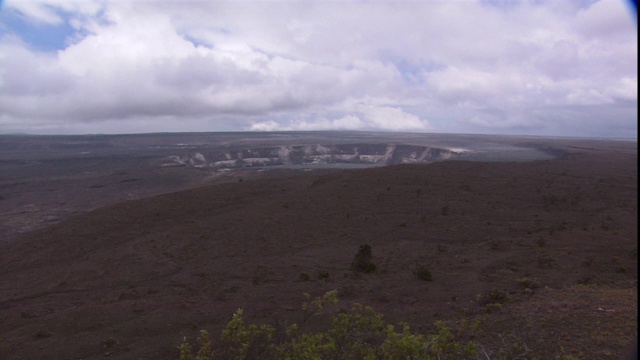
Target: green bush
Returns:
[360, 333]
[323, 275]
[423, 273]
[303, 276]
[362, 261]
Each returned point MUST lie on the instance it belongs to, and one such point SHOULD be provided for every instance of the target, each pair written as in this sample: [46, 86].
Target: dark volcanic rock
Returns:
[131, 279]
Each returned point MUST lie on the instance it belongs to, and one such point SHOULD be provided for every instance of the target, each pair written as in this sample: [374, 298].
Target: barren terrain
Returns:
[542, 252]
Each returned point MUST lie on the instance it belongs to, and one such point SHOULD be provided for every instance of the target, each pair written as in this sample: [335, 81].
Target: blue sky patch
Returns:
[39, 36]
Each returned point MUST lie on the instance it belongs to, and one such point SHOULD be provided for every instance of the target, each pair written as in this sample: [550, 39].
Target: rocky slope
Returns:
[556, 240]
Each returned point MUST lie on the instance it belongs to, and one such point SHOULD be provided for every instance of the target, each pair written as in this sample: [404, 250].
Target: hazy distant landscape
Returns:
[122, 245]
[47, 178]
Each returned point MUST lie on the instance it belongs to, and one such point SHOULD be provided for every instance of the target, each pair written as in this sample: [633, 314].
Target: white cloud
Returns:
[473, 66]
[349, 122]
[393, 118]
[268, 125]
[603, 19]
[625, 89]
[588, 97]
[367, 117]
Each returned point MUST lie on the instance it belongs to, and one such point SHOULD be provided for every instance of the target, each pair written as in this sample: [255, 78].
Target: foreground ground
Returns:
[543, 254]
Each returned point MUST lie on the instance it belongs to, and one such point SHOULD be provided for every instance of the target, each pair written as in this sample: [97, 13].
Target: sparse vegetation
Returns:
[323, 275]
[444, 211]
[529, 283]
[587, 280]
[495, 296]
[109, 343]
[423, 273]
[545, 262]
[168, 266]
[303, 276]
[621, 270]
[362, 261]
[42, 333]
[261, 274]
[360, 333]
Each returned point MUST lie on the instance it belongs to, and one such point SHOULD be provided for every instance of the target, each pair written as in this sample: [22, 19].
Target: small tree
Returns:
[362, 262]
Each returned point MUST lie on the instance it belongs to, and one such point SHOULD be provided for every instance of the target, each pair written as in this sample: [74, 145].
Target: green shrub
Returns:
[360, 333]
[303, 276]
[245, 342]
[423, 273]
[527, 282]
[621, 270]
[318, 305]
[495, 296]
[42, 333]
[109, 343]
[323, 275]
[362, 261]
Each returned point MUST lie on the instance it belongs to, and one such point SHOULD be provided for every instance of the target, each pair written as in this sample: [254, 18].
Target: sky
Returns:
[530, 67]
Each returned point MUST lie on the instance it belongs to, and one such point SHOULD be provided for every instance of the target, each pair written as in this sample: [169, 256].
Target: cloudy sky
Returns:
[537, 67]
